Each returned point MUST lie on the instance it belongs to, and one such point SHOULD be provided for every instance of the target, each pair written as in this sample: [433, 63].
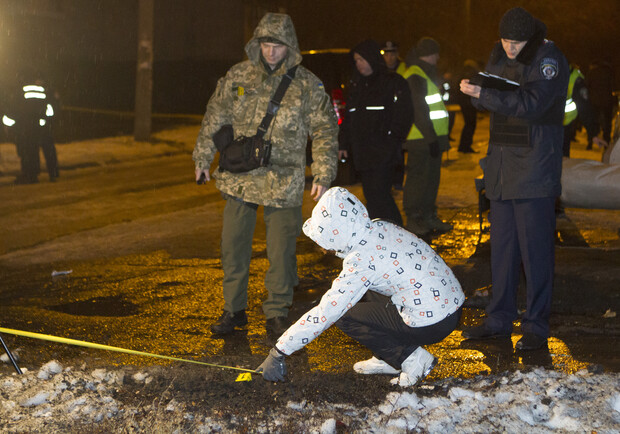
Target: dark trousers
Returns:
[399, 172]
[470, 117]
[377, 188]
[522, 233]
[604, 114]
[51, 159]
[422, 182]
[28, 151]
[375, 323]
[28, 144]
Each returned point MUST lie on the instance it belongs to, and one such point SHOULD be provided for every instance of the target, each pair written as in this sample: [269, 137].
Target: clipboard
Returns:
[484, 79]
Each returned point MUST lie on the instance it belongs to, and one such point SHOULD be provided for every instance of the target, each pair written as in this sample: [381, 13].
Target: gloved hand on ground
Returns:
[274, 367]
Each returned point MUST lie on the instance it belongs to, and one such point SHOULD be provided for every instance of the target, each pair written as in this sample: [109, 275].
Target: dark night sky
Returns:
[197, 40]
[585, 31]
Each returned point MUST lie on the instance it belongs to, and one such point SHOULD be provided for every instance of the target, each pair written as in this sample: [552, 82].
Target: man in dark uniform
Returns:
[392, 59]
[522, 171]
[29, 120]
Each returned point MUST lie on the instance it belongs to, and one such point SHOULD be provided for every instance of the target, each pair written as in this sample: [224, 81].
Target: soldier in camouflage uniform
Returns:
[241, 99]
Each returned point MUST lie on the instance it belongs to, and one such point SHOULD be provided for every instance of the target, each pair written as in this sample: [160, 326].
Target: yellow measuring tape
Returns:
[242, 377]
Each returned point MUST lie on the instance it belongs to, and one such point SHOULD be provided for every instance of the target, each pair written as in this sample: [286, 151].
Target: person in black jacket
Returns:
[379, 115]
[579, 108]
[522, 171]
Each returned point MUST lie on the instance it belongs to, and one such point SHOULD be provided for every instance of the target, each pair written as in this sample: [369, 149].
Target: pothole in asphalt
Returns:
[112, 306]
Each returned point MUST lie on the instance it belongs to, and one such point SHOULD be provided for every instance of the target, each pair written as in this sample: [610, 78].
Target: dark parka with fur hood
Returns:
[379, 112]
[528, 170]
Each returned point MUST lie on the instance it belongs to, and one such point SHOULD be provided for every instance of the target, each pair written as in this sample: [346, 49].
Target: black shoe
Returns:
[277, 325]
[483, 332]
[228, 321]
[530, 341]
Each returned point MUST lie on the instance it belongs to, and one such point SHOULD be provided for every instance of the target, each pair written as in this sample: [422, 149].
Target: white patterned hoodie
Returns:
[377, 256]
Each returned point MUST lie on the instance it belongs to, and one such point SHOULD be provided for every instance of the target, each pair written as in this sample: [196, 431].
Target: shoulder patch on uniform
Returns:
[320, 85]
[549, 68]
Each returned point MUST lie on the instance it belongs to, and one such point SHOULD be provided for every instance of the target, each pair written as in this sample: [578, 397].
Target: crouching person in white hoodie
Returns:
[393, 295]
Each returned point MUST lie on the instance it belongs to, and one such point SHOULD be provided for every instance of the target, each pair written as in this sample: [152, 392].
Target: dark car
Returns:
[333, 66]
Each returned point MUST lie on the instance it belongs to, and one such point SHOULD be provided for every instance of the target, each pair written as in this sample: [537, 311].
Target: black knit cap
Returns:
[517, 24]
[427, 46]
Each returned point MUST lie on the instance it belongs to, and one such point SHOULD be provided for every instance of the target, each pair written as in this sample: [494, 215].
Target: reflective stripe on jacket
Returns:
[570, 111]
[437, 109]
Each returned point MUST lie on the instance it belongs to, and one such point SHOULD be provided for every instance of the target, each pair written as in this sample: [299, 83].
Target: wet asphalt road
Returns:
[139, 243]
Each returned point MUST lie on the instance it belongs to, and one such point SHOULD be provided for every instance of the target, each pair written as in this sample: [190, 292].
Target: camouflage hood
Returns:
[280, 27]
[338, 221]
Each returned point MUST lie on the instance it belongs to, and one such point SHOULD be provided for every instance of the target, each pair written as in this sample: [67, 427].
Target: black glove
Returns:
[273, 368]
[434, 149]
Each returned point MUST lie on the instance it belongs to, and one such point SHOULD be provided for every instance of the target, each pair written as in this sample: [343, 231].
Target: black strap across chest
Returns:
[274, 103]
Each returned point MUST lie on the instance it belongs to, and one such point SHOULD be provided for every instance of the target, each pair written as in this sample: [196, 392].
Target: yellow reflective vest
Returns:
[436, 107]
[570, 110]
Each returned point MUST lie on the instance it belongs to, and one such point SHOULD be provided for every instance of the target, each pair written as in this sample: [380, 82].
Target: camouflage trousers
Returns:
[283, 226]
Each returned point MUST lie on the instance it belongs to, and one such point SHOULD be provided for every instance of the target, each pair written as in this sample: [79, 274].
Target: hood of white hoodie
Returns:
[338, 221]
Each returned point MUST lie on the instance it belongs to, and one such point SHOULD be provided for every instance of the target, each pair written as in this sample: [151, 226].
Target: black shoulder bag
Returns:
[248, 153]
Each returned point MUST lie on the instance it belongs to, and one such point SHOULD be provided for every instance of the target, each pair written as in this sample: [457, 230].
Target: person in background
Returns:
[29, 120]
[241, 99]
[390, 54]
[394, 294]
[378, 116]
[578, 108]
[469, 112]
[427, 139]
[522, 171]
[600, 83]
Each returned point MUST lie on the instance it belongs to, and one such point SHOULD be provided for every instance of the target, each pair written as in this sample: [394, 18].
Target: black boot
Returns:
[277, 326]
[228, 321]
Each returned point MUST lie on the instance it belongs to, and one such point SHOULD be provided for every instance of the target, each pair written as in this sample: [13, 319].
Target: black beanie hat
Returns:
[427, 46]
[517, 25]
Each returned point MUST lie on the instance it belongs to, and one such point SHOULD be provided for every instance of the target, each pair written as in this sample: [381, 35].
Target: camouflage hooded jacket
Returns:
[241, 99]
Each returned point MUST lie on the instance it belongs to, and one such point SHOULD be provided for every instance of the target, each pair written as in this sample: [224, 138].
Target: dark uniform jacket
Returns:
[379, 113]
[524, 159]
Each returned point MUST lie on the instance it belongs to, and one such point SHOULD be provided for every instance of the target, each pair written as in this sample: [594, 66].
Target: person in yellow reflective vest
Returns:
[578, 107]
[427, 139]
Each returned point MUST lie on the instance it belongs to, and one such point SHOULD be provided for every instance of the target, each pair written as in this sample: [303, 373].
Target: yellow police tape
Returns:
[242, 377]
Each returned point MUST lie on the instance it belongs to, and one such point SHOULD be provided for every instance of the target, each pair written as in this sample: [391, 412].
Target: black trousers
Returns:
[377, 188]
[522, 234]
[51, 158]
[375, 323]
[470, 117]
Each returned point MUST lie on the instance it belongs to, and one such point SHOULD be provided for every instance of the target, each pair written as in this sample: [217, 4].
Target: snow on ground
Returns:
[57, 397]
